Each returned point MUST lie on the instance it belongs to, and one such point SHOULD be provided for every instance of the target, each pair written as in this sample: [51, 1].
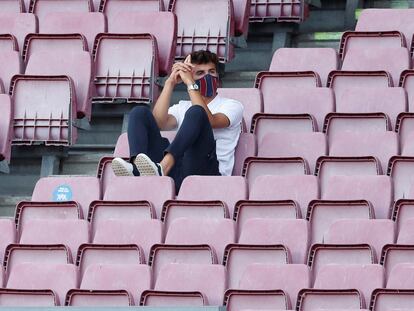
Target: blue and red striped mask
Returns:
[208, 85]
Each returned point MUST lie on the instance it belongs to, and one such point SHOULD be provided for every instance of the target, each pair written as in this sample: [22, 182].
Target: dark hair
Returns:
[204, 57]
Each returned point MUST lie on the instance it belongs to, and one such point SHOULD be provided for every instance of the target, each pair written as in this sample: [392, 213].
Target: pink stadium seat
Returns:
[405, 126]
[375, 189]
[88, 24]
[267, 81]
[5, 127]
[8, 42]
[49, 254]
[212, 30]
[7, 233]
[394, 255]
[349, 166]
[341, 81]
[248, 209]
[321, 255]
[156, 190]
[174, 209]
[309, 146]
[406, 233]
[11, 65]
[143, 233]
[165, 30]
[292, 233]
[33, 276]
[29, 210]
[407, 82]
[382, 145]
[394, 60]
[251, 99]
[301, 189]
[100, 211]
[98, 298]
[375, 232]
[126, 68]
[92, 254]
[282, 11]
[56, 43]
[401, 169]
[401, 276]
[82, 189]
[321, 214]
[246, 147]
[78, 66]
[228, 189]
[44, 110]
[209, 280]
[134, 278]
[112, 8]
[359, 40]
[256, 166]
[263, 123]
[12, 6]
[387, 20]
[44, 7]
[163, 254]
[332, 299]
[320, 60]
[392, 299]
[365, 278]
[191, 231]
[71, 233]
[235, 299]
[391, 101]
[241, 10]
[403, 211]
[289, 278]
[28, 298]
[19, 25]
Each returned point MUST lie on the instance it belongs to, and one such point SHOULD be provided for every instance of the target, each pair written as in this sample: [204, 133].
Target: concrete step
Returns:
[8, 204]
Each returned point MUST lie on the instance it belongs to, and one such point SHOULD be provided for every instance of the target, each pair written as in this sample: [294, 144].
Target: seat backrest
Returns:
[12, 6]
[318, 101]
[156, 190]
[165, 31]
[144, 233]
[319, 60]
[82, 189]
[133, 278]
[407, 82]
[77, 65]
[71, 233]
[365, 278]
[58, 277]
[396, 254]
[401, 171]
[375, 232]
[292, 233]
[382, 145]
[246, 147]
[207, 279]
[301, 189]
[43, 7]
[88, 24]
[250, 98]
[8, 234]
[393, 60]
[376, 189]
[112, 8]
[11, 65]
[289, 278]
[290, 11]
[391, 101]
[5, 127]
[19, 25]
[401, 276]
[213, 26]
[228, 189]
[405, 126]
[215, 232]
[309, 146]
[406, 232]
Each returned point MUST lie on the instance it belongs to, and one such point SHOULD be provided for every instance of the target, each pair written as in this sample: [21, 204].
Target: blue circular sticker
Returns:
[62, 193]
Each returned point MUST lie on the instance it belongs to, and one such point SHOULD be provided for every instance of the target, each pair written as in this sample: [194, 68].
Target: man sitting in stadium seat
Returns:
[208, 127]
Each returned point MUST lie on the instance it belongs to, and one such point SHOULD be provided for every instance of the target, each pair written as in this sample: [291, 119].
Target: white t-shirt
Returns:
[226, 138]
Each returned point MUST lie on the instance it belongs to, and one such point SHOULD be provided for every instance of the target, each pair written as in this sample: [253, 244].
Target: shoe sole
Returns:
[145, 166]
[119, 169]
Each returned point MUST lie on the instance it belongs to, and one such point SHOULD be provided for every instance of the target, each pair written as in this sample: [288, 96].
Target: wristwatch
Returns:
[193, 86]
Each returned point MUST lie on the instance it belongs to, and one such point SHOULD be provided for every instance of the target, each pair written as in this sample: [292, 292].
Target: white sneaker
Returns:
[146, 167]
[121, 167]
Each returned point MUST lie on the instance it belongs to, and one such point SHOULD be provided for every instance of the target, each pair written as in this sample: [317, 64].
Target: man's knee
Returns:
[139, 112]
[196, 113]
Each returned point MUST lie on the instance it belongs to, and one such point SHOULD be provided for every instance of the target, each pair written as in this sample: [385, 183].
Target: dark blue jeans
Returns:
[194, 147]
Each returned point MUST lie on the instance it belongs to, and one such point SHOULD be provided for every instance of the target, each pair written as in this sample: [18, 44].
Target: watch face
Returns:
[195, 86]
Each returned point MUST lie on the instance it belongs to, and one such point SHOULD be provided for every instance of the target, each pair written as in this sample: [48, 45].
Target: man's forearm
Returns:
[160, 110]
[197, 99]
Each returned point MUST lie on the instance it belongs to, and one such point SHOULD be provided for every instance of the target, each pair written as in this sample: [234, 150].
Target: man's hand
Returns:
[182, 72]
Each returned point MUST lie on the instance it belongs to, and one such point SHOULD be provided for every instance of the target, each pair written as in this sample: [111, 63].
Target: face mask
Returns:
[208, 85]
